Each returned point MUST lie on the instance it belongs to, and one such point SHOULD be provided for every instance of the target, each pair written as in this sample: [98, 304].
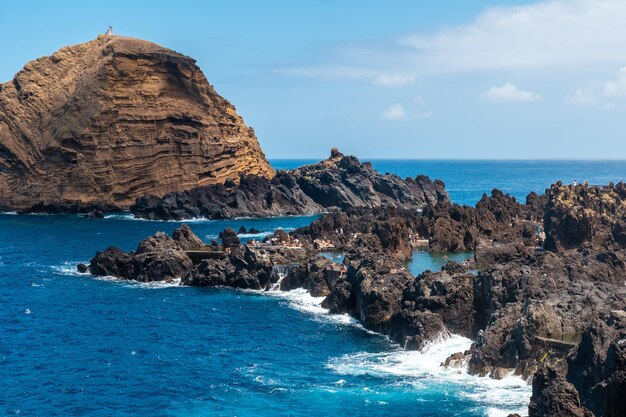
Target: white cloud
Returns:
[376, 77]
[395, 112]
[617, 88]
[510, 93]
[550, 36]
[582, 97]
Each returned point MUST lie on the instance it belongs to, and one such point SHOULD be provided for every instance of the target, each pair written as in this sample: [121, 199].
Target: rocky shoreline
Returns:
[337, 183]
[544, 296]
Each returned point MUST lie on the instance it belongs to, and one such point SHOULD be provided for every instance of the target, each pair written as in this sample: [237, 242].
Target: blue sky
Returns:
[380, 79]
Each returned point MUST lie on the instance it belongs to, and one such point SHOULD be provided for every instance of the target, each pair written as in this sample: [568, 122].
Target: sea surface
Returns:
[75, 345]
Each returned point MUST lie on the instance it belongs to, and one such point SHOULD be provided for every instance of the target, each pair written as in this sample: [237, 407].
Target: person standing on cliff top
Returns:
[109, 31]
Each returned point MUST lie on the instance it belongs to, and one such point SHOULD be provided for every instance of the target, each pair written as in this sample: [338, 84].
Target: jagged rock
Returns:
[577, 215]
[341, 299]
[112, 119]
[338, 182]
[387, 229]
[553, 396]
[314, 275]
[377, 284]
[527, 307]
[598, 366]
[413, 329]
[498, 218]
[186, 239]
[456, 360]
[242, 268]
[229, 238]
[499, 253]
[157, 258]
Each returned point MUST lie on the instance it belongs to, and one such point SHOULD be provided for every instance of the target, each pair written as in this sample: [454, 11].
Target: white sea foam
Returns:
[130, 216]
[415, 367]
[254, 235]
[174, 283]
[408, 367]
[259, 235]
[69, 268]
[302, 300]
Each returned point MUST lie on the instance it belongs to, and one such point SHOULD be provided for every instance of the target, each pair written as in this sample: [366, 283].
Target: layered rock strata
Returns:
[113, 119]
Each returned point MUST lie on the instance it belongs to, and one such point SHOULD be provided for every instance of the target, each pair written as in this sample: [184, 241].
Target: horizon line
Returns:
[462, 159]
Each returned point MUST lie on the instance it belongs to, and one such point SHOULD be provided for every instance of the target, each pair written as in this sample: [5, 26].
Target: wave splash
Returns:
[511, 394]
[69, 269]
[418, 369]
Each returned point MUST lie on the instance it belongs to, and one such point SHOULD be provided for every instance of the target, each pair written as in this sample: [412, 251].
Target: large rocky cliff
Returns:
[113, 119]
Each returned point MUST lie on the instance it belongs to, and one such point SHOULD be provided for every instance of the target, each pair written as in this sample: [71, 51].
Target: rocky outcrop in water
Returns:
[558, 315]
[157, 258]
[115, 118]
[340, 182]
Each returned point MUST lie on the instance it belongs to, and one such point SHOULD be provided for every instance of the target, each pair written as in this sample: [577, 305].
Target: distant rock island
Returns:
[107, 121]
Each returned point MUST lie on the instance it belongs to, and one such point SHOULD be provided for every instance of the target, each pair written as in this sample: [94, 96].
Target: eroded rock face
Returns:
[554, 396]
[593, 216]
[115, 118]
[597, 368]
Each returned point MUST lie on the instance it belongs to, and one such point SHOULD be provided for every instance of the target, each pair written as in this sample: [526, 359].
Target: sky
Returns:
[479, 79]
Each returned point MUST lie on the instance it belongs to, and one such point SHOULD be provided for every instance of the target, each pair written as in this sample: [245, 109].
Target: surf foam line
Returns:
[69, 269]
[259, 235]
[126, 216]
[421, 370]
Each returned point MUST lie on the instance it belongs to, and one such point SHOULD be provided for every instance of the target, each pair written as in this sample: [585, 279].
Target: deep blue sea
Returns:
[74, 345]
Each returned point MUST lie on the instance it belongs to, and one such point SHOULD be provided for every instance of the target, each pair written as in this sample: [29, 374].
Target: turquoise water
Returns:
[423, 261]
[73, 345]
[466, 181]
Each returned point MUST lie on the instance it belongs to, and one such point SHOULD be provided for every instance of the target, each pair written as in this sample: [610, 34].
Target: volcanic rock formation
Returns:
[339, 182]
[115, 118]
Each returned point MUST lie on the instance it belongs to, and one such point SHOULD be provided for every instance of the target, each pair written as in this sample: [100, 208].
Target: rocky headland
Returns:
[544, 296]
[107, 121]
[337, 183]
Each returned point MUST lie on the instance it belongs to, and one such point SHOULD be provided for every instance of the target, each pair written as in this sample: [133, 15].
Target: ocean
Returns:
[74, 345]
